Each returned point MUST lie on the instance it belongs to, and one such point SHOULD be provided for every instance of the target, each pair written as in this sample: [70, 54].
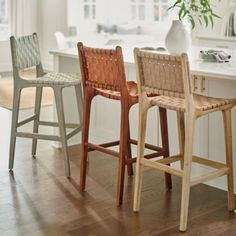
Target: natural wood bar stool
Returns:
[103, 74]
[169, 76]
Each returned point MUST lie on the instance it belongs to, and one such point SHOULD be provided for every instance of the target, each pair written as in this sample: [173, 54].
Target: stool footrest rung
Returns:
[38, 136]
[163, 167]
[26, 120]
[147, 156]
[159, 151]
[56, 124]
[74, 132]
[209, 176]
[100, 148]
[109, 144]
[170, 159]
[210, 163]
[147, 145]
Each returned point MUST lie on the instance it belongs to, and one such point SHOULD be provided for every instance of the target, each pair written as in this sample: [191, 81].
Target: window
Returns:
[4, 19]
[138, 10]
[83, 13]
[151, 10]
[126, 10]
[89, 9]
[160, 10]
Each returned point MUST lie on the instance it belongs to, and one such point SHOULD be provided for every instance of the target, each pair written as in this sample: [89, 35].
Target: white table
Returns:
[212, 79]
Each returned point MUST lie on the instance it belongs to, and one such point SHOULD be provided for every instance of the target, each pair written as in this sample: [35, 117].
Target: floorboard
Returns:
[37, 199]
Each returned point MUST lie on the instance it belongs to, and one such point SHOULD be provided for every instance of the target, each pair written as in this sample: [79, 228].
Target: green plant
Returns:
[201, 10]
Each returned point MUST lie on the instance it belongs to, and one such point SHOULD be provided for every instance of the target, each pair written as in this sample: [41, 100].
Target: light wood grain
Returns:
[169, 76]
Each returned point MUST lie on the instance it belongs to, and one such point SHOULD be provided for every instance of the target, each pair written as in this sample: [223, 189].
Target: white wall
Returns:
[52, 16]
[27, 25]
[5, 56]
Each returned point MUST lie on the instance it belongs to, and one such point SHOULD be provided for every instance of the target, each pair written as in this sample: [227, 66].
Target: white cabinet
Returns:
[201, 137]
[209, 134]
[217, 41]
[201, 132]
[209, 131]
[226, 89]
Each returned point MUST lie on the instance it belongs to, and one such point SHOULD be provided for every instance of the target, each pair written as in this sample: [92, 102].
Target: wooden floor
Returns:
[37, 199]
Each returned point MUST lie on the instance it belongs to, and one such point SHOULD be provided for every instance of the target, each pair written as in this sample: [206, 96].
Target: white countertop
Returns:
[197, 66]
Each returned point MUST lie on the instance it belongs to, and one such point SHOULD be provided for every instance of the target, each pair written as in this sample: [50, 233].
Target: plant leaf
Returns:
[206, 20]
[211, 20]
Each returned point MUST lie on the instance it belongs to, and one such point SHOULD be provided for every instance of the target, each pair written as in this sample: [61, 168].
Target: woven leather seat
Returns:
[202, 103]
[103, 74]
[25, 54]
[132, 89]
[51, 79]
[169, 76]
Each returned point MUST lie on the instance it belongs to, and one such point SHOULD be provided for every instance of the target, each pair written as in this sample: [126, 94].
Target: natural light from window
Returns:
[4, 19]
[89, 9]
[118, 12]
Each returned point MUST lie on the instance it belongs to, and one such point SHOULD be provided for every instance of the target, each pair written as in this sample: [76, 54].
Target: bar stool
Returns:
[25, 54]
[169, 76]
[103, 74]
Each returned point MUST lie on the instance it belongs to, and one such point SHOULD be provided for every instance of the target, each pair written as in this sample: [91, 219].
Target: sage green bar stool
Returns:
[25, 54]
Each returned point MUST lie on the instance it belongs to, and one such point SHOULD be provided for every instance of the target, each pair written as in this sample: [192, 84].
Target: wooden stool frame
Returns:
[169, 76]
[26, 54]
[103, 74]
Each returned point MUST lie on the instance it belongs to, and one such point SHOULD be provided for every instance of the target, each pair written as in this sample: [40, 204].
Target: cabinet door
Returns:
[200, 148]
[201, 137]
[225, 89]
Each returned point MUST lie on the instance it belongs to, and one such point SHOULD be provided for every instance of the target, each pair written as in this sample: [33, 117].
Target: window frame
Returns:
[92, 10]
[149, 5]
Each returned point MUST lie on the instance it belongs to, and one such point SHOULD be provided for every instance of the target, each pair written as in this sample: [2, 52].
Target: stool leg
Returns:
[123, 151]
[88, 96]
[165, 141]
[37, 108]
[62, 127]
[79, 98]
[181, 133]
[129, 154]
[140, 155]
[187, 171]
[15, 114]
[229, 157]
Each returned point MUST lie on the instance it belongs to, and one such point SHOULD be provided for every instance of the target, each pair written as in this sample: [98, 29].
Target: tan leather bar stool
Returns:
[169, 76]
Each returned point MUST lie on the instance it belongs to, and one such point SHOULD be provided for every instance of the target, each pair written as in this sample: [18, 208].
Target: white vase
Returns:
[178, 39]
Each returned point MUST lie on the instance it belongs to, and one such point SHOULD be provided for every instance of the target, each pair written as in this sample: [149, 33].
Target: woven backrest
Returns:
[102, 68]
[25, 51]
[162, 74]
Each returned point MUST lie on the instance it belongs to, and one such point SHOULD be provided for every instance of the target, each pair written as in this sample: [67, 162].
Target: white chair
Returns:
[62, 42]
[25, 54]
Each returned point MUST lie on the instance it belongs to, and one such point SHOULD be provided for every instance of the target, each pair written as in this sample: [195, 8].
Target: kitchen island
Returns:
[208, 78]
